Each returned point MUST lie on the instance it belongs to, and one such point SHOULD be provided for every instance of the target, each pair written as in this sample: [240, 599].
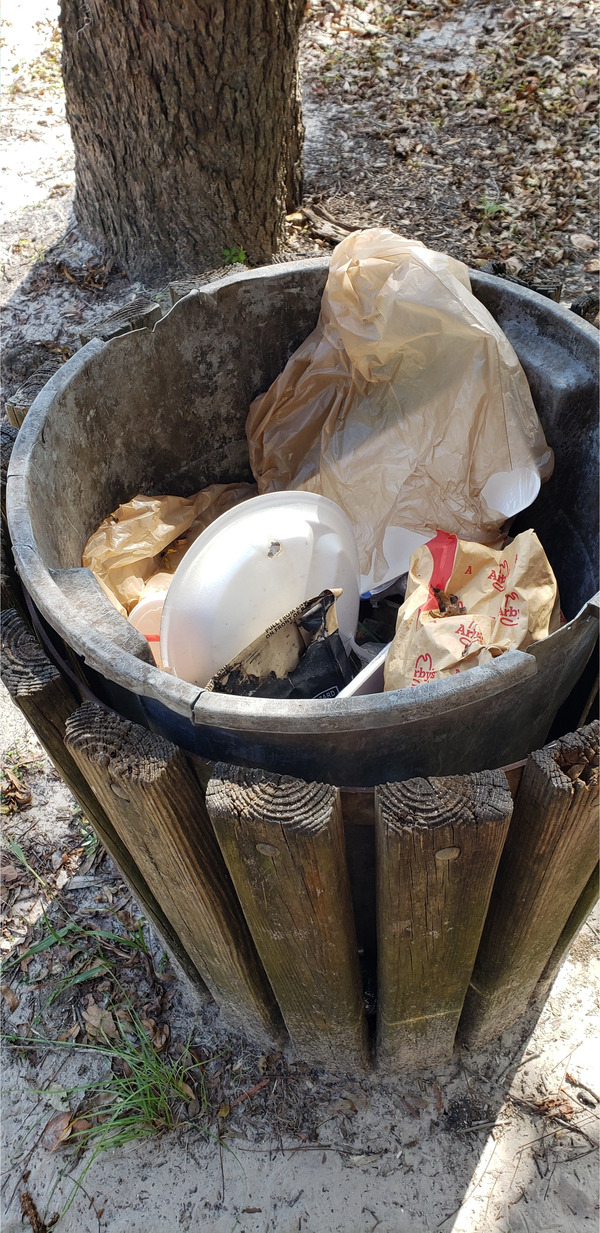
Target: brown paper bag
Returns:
[300, 656]
[401, 405]
[148, 534]
[466, 603]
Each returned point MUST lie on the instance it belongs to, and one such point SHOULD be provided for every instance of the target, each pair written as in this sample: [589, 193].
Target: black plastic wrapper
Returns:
[301, 656]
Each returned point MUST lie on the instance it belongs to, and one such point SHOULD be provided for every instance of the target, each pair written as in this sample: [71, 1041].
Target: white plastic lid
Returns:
[507, 492]
[398, 546]
[248, 569]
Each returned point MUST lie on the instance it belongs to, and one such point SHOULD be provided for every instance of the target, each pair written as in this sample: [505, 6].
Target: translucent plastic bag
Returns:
[466, 603]
[150, 534]
[401, 405]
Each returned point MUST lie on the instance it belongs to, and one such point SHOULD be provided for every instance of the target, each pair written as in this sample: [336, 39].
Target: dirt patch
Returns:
[471, 127]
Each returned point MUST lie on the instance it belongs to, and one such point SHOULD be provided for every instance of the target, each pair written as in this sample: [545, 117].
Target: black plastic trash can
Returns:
[164, 410]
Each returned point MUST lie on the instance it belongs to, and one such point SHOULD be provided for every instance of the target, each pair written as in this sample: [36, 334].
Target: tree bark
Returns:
[187, 128]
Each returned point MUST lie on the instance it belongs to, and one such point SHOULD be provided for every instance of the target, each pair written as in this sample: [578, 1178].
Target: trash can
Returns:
[164, 410]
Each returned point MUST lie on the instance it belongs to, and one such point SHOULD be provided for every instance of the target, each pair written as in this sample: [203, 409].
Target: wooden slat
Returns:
[138, 314]
[359, 833]
[156, 805]
[578, 917]
[8, 436]
[11, 591]
[438, 846]
[549, 856]
[283, 842]
[18, 404]
[45, 700]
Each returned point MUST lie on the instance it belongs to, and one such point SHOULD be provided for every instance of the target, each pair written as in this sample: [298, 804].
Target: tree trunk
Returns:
[187, 128]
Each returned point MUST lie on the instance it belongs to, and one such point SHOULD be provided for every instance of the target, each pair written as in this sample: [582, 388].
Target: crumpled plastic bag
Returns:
[466, 603]
[148, 534]
[400, 405]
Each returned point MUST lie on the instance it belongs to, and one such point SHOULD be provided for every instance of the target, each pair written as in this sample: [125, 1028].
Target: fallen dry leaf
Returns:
[585, 243]
[224, 1109]
[343, 1105]
[8, 873]
[159, 1033]
[56, 1131]
[556, 1106]
[97, 966]
[414, 1112]
[15, 794]
[10, 997]
[514, 265]
[72, 1033]
[98, 1022]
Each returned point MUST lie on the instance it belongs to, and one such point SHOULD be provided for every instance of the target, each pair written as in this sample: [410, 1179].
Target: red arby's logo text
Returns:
[469, 634]
[509, 614]
[423, 670]
[498, 580]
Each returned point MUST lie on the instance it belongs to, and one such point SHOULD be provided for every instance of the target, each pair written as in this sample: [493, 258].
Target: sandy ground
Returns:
[504, 1139]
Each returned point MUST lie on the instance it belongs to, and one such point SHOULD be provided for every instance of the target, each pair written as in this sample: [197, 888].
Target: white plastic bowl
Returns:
[248, 569]
[146, 616]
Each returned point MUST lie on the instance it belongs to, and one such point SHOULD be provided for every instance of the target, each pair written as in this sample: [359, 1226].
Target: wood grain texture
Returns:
[283, 842]
[8, 436]
[578, 917]
[550, 854]
[156, 805]
[11, 591]
[45, 700]
[438, 841]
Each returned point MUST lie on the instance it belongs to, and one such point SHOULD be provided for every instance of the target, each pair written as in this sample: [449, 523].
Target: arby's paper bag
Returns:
[467, 603]
[407, 406]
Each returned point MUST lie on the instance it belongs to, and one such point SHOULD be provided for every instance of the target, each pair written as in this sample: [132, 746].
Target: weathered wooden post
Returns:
[156, 805]
[578, 917]
[549, 857]
[283, 842]
[11, 592]
[47, 703]
[438, 846]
